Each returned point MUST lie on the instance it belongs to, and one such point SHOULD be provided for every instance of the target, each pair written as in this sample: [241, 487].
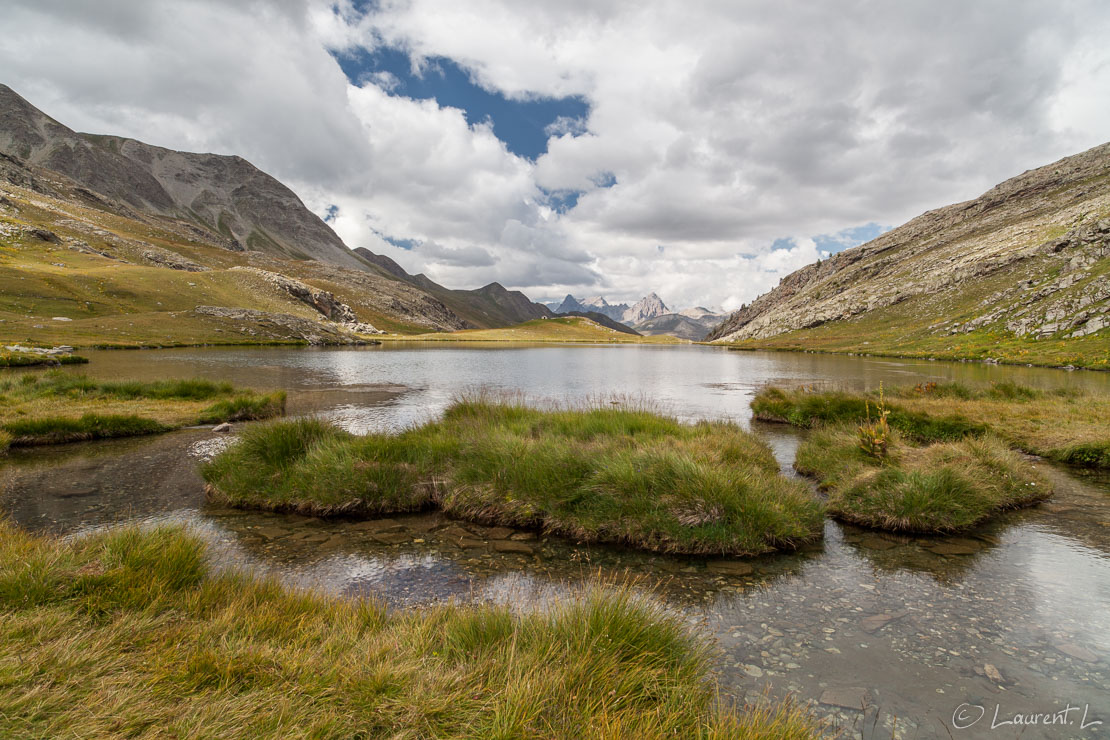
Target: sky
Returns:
[701, 150]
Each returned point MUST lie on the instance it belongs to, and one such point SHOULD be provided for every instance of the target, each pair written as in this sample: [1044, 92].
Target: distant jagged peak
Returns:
[646, 308]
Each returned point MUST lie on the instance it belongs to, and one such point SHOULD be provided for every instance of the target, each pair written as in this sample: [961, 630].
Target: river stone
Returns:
[952, 548]
[391, 538]
[312, 537]
[847, 698]
[1076, 651]
[512, 546]
[498, 533]
[373, 525]
[76, 493]
[993, 673]
[523, 536]
[469, 543]
[729, 567]
[874, 542]
[455, 532]
[271, 533]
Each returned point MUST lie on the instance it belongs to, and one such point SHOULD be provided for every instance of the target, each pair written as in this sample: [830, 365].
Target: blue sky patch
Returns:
[829, 244]
[847, 238]
[523, 125]
[406, 244]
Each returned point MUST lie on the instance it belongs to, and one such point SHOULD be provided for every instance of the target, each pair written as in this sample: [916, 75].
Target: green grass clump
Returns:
[937, 488]
[245, 408]
[597, 474]
[32, 359]
[58, 429]
[1090, 455]
[808, 409]
[129, 633]
[56, 406]
[5, 441]
[1061, 424]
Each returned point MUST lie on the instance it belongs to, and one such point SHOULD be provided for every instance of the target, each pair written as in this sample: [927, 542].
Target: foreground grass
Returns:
[1066, 426]
[935, 488]
[53, 407]
[566, 329]
[600, 474]
[127, 633]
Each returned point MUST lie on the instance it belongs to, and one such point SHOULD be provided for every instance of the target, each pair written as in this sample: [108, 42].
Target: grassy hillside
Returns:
[94, 277]
[563, 329]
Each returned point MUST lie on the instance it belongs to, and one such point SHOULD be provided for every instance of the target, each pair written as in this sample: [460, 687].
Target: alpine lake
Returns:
[886, 636]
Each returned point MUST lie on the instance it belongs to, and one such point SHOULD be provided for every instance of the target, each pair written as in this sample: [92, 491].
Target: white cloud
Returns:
[726, 125]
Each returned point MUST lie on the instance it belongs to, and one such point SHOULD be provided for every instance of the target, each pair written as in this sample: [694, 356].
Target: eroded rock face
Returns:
[321, 300]
[646, 308]
[1049, 227]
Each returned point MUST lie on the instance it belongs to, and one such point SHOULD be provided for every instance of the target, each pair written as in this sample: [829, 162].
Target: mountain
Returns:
[235, 202]
[700, 313]
[646, 308]
[1019, 274]
[596, 304]
[569, 304]
[490, 306]
[692, 323]
[675, 325]
[123, 243]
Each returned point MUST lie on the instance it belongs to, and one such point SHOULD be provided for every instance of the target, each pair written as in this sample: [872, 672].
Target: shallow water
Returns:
[888, 636]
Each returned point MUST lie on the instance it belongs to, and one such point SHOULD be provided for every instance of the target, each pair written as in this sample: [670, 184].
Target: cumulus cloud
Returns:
[714, 129]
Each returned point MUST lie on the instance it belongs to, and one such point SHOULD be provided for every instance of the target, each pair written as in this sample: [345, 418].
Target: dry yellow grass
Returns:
[128, 634]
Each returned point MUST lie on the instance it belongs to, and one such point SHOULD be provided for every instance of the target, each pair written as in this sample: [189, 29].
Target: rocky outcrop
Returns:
[277, 326]
[1041, 234]
[171, 260]
[325, 303]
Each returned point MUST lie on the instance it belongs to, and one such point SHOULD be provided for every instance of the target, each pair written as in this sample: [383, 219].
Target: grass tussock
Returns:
[127, 633]
[936, 488]
[54, 407]
[1064, 425]
[616, 475]
[9, 358]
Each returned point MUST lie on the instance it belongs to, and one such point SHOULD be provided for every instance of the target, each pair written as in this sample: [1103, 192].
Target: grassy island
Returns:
[937, 488]
[54, 407]
[15, 358]
[611, 474]
[1063, 425]
[127, 633]
[914, 468]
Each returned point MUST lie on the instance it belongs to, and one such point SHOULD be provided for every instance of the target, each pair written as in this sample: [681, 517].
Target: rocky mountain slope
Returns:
[1021, 273]
[646, 308]
[693, 324]
[111, 241]
[238, 205]
[489, 306]
[596, 304]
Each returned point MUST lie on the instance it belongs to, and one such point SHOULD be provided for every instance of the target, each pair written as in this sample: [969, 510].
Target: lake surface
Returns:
[888, 636]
